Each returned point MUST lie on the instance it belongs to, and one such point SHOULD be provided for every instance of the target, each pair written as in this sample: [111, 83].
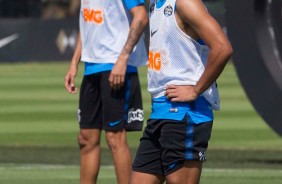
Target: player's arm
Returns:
[194, 14]
[72, 71]
[137, 27]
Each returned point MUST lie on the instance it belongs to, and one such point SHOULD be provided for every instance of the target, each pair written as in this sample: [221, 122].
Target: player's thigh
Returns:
[183, 141]
[113, 104]
[148, 155]
[190, 173]
[89, 112]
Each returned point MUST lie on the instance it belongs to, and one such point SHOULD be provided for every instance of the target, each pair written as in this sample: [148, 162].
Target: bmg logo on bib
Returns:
[94, 16]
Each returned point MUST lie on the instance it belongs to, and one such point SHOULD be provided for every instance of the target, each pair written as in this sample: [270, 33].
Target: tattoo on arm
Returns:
[134, 35]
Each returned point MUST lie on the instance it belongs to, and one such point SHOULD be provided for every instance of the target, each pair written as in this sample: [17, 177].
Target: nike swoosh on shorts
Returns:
[114, 123]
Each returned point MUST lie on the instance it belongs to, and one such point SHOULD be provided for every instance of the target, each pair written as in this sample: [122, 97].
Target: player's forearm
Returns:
[77, 53]
[218, 57]
[137, 27]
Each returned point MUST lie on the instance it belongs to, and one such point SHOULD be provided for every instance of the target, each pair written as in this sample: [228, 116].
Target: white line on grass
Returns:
[12, 166]
[239, 170]
[42, 166]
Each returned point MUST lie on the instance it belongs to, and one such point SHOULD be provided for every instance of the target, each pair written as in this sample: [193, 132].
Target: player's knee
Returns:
[87, 142]
[112, 141]
[115, 140]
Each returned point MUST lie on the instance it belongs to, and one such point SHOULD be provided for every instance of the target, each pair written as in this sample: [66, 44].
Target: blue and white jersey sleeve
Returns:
[132, 3]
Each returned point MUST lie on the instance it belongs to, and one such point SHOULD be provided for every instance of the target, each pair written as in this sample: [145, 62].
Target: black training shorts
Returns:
[100, 107]
[167, 144]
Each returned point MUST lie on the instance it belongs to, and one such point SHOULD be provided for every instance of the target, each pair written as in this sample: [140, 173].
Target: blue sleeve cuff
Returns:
[132, 3]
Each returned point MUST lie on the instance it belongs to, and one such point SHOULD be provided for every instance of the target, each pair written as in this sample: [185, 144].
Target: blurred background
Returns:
[55, 9]
[42, 9]
[38, 121]
[50, 27]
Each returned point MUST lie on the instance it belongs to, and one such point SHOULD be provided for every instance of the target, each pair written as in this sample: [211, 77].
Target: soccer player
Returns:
[110, 95]
[188, 51]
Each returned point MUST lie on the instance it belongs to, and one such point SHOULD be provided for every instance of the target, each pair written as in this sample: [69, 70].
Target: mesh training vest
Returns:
[174, 57]
[104, 28]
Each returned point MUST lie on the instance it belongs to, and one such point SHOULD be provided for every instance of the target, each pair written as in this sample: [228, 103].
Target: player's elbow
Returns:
[144, 19]
[228, 50]
[140, 15]
[225, 50]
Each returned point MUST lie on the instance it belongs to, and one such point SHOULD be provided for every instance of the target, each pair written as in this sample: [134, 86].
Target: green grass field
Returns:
[38, 129]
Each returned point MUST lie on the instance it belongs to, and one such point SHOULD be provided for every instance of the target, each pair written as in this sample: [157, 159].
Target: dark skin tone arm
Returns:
[193, 18]
[137, 27]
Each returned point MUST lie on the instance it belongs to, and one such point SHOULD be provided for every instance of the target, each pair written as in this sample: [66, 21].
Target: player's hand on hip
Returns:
[117, 75]
[70, 80]
[181, 93]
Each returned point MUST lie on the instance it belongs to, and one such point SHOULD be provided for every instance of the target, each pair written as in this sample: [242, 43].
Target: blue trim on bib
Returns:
[132, 3]
[198, 111]
[160, 3]
[92, 68]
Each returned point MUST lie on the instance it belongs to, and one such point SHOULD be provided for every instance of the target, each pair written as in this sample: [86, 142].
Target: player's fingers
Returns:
[122, 79]
[111, 80]
[171, 87]
[114, 82]
[67, 84]
[169, 91]
[72, 82]
[174, 99]
[120, 82]
[73, 89]
[171, 95]
[117, 81]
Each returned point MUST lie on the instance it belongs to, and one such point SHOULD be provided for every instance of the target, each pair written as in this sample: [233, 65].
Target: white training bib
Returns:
[174, 57]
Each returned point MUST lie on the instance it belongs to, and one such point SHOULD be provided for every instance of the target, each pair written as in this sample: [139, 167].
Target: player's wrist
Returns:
[196, 91]
[123, 58]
